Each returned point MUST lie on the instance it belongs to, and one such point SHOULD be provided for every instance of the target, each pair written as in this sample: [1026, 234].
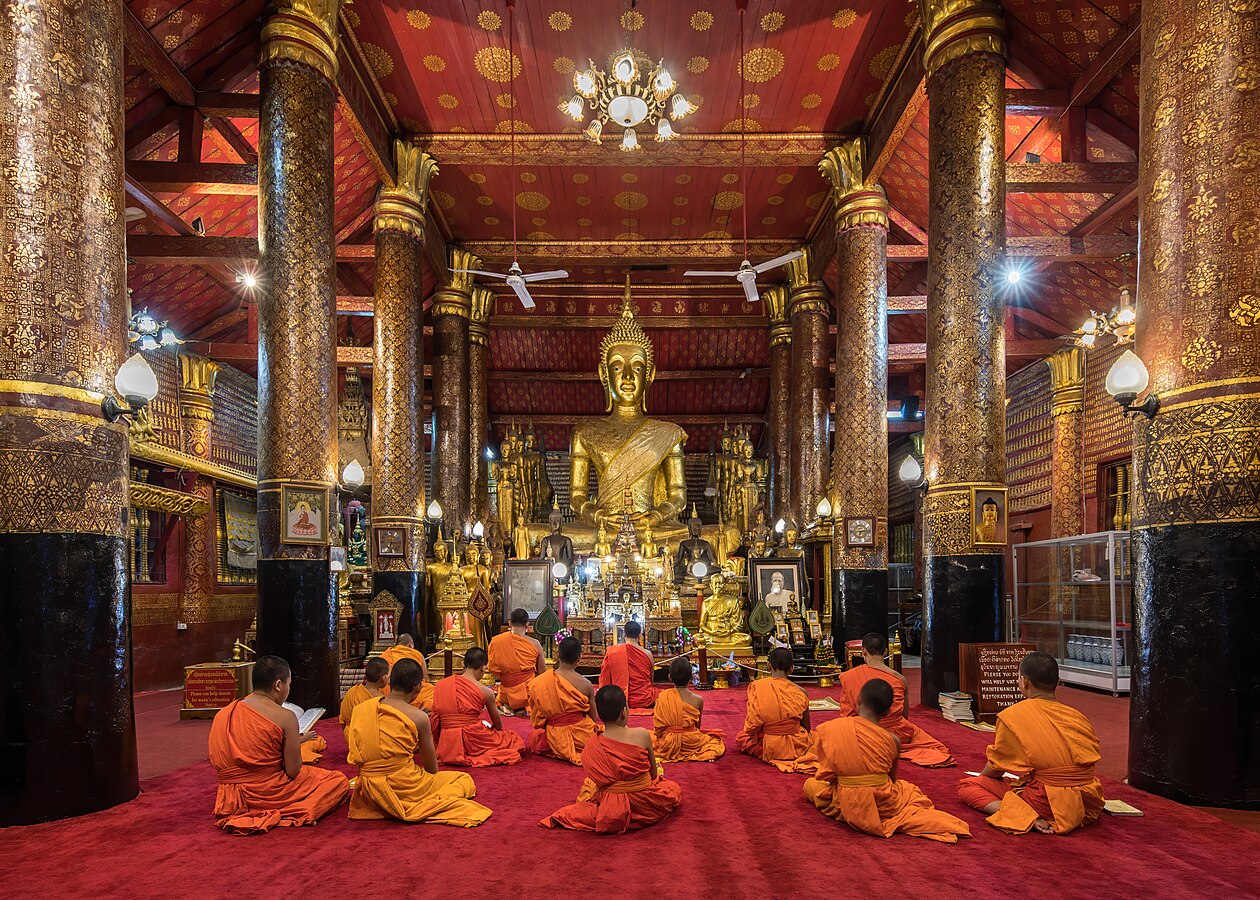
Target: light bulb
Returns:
[135, 378]
[824, 508]
[1013, 276]
[664, 131]
[435, 510]
[353, 474]
[630, 140]
[1128, 376]
[559, 570]
[910, 471]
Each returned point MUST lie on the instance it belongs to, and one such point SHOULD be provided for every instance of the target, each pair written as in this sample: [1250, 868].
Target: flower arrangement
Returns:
[562, 634]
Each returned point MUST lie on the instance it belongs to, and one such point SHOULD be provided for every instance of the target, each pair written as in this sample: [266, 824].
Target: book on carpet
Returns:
[1120, 808]
[306, 717]
[978, 726]
[823, 705]
[955, 706]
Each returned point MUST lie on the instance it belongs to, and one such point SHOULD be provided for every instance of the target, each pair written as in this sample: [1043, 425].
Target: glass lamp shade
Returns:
[559, 570]
[627, 110]
[664, 131]
[584, 83]
[353, 474]
[1128, 376]
[630, 140]
[166, 337]
[824, 508]
[434, 511]
[664, 84]
[679, 107]
[780, 526]
[594, 131]
[910, 471]
[700, 569]
[479, 530]
[136, 379]
[625, 69]
[148, 342]
[572, 108]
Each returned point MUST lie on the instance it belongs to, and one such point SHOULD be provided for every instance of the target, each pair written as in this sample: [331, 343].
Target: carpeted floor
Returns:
[743, 830]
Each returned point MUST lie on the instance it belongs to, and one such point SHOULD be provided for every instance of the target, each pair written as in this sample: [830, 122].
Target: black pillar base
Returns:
[67, 727]
[1194, 715]
[406, 588]
[297, 620]
[962, 604]
[859, 604]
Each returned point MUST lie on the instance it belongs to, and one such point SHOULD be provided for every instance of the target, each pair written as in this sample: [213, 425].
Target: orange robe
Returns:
[1053, 748]
[917, 746]
[461, 737]
[855, 758]
[383, 743]
[247, 752]
[772, 726]
[313, 750]
[513, 659]
[618, 794]
[356, 695]
[630, 668]
[559, 713]
[392, 655]
[677, 736]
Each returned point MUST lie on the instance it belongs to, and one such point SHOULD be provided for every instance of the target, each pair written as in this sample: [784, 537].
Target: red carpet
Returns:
[743, 830]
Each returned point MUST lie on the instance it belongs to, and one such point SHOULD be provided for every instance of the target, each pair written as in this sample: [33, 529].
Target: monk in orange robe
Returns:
[255, 750]
[384, 736]
[405, 648]
[623, 790]
[917, 746]
[515, 658]
[629, 667]
[676, 722]
[375, 684]
[462, 738]
[562, 707]
[857, 779]
[1052, 747]
[776, 725]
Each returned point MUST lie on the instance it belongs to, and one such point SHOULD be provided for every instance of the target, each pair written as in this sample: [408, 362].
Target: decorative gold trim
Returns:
[804, 293]
[165, 456]
[455, 298]
[160, 499]
[954, 28]
[775, 299]
[403, 206]
[481, 305]
[305, 32]
[1067, 379]
[856, 201]
[1176, 392]
[45, 389]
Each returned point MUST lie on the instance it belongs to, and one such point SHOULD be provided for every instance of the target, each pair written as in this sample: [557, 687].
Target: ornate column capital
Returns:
[481, 304]
[804, 294]
[856, 201]
[456, 298]
[954, 28]
[775, 299]
[1067, 380]
[304, 32]
[197, 377]
[402, 207]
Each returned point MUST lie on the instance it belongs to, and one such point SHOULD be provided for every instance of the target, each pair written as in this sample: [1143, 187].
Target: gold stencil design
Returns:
[702, 20]
[632, 20]
[761, 64]
[728, 200]
[1201, 354]
[1164, 113]
[418, 19]
[533, 201]
[811, 101]
[632, 200]
[844, 18]
[379, 59]
[448, 101]
[1246, 312]
[1162, 186]
[772, 21]
[560, 21]
[434, 63]
[697, 64]
[495, 64]
[563, 65]
[489, 20]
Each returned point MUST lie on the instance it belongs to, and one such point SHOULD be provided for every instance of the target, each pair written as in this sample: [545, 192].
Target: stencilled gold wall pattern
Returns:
[808, 310]
[63, 303]
[196, 405]
[1028, 438]
[1067, 448]
[481, 306]
[452, 307]
[778, 417]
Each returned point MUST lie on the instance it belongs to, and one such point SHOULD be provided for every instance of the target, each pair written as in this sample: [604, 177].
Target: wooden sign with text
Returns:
[208, 687]
[990, 674]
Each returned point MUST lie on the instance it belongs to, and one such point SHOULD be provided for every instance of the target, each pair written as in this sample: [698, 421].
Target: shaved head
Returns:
[1041, 669]
[877, 696]
[375, 670]
[406, 640]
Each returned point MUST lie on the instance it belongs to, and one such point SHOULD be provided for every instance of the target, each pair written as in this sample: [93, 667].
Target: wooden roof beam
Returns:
[196, 177]
[1069, 177]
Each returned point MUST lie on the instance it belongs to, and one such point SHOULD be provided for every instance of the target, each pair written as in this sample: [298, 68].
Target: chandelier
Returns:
[627, 97]
[1121, 322]
[144, 329]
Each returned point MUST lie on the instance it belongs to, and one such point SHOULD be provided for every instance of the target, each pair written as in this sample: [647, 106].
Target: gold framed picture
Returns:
[988, 517]
[305, 511]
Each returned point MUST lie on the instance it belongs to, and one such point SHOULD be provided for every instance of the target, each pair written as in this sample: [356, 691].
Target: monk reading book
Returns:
[917, 746]
[776, 726]
[1052, 748]
[255, 749]
[384, 736]
[405, 648]
[515, 658]
[623, 790]
[629, 667]
[562, 707]
[461, 737]
[375, 683]
[857, 779]
[678, 736]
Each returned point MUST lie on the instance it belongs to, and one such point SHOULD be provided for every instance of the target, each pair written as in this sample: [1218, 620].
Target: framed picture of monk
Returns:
[525, 585]
[390, 541]
[988, 517]
[773, 580]
[304, 515]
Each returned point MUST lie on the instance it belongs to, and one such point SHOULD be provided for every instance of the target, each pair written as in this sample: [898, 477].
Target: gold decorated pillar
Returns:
[452, 307]
[297, 409]
[1196, 466]
[196, 412]
[779, 413]
[398, 490]
[482, 304]
[1067, 444]
[964, 512]
[859, 467]
[810, 389]
[67, 733]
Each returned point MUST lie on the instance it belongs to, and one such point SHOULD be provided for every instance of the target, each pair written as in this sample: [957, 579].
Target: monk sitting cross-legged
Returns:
[629, 666]
[776, 726]
[678, 737]
[375, 684]
[384, 736]
[405, 648]
[857, 776]
[256, 750]
[515, 658]
[1052, 747]
[917, 746]
[562, 707]
[623, 789]
[462, 738]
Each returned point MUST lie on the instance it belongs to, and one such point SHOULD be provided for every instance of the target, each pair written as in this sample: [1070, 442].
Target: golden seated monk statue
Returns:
[722, 618]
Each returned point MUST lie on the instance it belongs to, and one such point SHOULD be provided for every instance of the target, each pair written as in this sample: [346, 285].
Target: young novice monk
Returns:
[515, 658]
[629, 667]
[385, 734]
[623, 790]
[917, 746]
[462, 738]
[562, 707]
[776, 726]
[405, 648]
[375, 683]
[678, 737]
[857, 776]
[1052, 747]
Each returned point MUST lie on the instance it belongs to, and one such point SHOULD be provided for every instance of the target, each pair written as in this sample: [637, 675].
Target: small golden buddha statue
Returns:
[722, 619]
[438, 571]
[648, 547]
[603, 548]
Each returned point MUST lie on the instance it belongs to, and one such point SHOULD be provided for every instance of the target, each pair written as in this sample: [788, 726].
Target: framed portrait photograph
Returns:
[525, 585]
[859, 531]
[988, 517]
[390, 541]
[305, 515]
[773, 580]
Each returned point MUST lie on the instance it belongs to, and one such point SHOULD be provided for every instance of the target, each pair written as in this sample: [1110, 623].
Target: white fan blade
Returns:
[750, 291]
[481, 272]
[134, 214]
[546, 276]
[778, 261]
[697, 274]
[523, 292]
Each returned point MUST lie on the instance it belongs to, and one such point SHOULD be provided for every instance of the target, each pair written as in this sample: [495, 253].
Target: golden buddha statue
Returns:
[438, 571]
[648, 548]
[475, 572]
[722, 619]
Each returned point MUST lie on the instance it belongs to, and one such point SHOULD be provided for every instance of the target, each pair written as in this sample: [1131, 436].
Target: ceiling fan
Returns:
[515, 277]
[747, 273]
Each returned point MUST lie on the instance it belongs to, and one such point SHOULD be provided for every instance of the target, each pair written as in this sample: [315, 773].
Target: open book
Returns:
[306, 717]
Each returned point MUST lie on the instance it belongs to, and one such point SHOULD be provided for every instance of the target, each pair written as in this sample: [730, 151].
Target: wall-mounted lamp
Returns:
[1126, 379]
[352, 475]
[136, 383]
[824, 508]
[911, 473]
[434, 512]
[479, 530]
[780, 526]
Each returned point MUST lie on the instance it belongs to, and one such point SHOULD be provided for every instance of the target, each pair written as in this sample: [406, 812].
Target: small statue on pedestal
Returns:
[693, 550]
[557, 546]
